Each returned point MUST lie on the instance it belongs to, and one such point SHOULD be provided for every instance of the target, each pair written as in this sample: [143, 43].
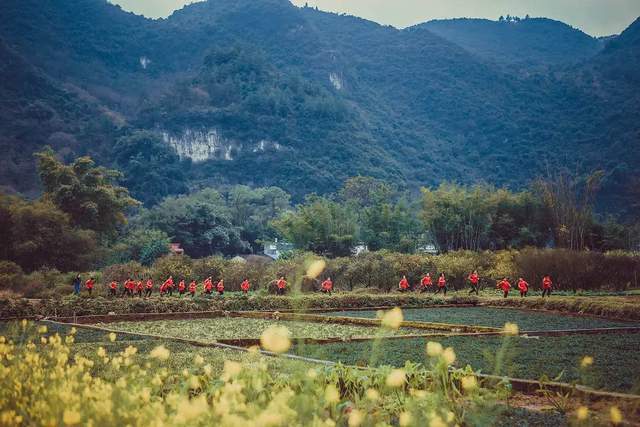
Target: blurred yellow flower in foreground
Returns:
[355, 418]
[404, 419]
[449, 355]
[586, 362]
[275, 339]
[469, 383]
[372, 394]
[616, 415]
[160, 353]
[582, 413]
[70, 417]
[511, 329]
[331, 394]
[393, 318]
[396, 378]
[315, 268]
[112, 337]
[434, 349]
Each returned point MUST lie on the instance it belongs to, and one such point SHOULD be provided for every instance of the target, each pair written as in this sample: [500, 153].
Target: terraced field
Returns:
[497, 317]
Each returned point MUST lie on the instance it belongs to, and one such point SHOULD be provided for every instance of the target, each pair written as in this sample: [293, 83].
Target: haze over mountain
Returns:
[262, 92]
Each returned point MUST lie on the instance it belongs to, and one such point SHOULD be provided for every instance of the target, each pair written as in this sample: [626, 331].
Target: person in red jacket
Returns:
[192, 288]
[131, 289]
[281, 285]
[168, 286]
[404, 284]
[220, 287]
[126, 288]
[426, 283]
[523, 286]
[182, 287]
[327, 286]
[546, 285]
[442, 284]
[244, 286]
[474, 279]
[113, 287]
[505, 286]
[149, 287]
[89, 284]
[140, 288]
[208, 286]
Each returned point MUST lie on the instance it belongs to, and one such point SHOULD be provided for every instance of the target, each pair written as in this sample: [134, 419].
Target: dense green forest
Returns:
[84, 220]
[262, 93]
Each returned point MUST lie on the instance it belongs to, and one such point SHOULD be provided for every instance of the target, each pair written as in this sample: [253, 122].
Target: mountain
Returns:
[522, 43]
[262, 92]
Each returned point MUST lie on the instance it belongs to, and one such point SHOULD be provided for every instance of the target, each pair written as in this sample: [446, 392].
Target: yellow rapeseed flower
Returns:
[70, 417]
[586, 362]
[112, 337]
[511, 329]
[276, 339]
[436, 421]
[434, 349]
[582, 413]
[372, 394]
[42, 329]
[615, 415]
[396, 378]
[469, 383]
[315, 268]
[331, 394]
[160, 353]
[405, 419]
[102, 352]
[198, 360]
[231, 369]
[449, 355]
[355, 418]
[393, 318]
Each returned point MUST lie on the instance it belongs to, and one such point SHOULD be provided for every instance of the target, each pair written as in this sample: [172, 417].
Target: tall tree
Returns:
[86, 192]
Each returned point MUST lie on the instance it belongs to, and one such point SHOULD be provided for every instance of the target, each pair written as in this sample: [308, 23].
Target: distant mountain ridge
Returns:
[528, 42]
[262, 92]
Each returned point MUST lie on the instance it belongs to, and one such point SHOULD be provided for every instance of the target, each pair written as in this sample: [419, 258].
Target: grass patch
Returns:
[615, 364]
[236, 327]
[496, 317]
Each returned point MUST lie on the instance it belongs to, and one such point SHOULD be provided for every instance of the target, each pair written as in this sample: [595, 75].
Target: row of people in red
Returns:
[168, 287]
[474, 280]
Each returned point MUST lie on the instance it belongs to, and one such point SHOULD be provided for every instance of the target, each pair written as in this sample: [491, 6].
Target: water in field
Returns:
[496, 317]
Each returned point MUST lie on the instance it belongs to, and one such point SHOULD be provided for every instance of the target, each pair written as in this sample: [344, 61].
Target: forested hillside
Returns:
[264, 93]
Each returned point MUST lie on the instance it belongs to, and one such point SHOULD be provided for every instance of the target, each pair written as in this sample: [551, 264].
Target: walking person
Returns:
[426, 283]
[281, 286]
[244, 286]
[139, 288]
[113, 288]
[182, 287]
[208, 286]
[89, 285]
[168, 286]
[403, 286]
[546, 285]
[474, 279]
[125, 287]
[220, 287]
[327, 286]
[505, 286]
[149, 287]
[192, 288]
[76, 285]
[523, 286]
[442, 284]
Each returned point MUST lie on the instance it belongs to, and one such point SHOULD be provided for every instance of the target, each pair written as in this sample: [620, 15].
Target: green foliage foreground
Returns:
[58, 386]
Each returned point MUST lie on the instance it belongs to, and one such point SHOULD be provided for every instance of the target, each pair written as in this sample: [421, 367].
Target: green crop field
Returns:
[237, 327]
[496, 317]
[615, 356]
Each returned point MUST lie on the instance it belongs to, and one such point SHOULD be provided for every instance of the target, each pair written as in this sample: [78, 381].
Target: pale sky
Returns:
[595, 17]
